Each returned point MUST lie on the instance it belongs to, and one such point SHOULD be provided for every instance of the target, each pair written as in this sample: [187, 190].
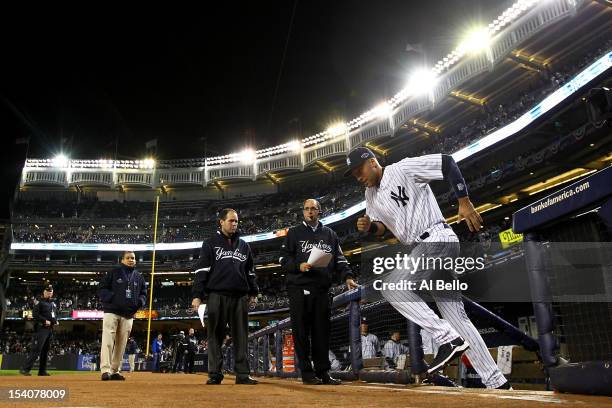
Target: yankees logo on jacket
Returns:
[225, 266]
[296, 249]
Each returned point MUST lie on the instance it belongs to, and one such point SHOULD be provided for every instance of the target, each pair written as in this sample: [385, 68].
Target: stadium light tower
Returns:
[148, 163]
[477, 40]
[422, 82]
[337, 129]
[60, 160]
[247, 156]
[382, 110]
[294, 146]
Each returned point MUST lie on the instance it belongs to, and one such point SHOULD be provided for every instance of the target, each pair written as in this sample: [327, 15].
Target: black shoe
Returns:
[439, 380]
[505, 386]
[105, 377]
[447, 352]
[117, 377]
[312, 380]
[24, 372]
[44, 374]
[246, 380]
[214, 380]
[328, 380]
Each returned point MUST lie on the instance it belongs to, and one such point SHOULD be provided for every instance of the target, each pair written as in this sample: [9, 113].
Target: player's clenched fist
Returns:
[363, 223]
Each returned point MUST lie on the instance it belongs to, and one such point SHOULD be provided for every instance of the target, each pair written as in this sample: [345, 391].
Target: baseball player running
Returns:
[399, 200]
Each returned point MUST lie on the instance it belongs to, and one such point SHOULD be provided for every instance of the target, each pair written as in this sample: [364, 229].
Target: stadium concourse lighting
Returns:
[247, 156]
[60, 160]
[422, 82]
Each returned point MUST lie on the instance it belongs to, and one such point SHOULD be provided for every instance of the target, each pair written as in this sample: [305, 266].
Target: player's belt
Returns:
[426, 234]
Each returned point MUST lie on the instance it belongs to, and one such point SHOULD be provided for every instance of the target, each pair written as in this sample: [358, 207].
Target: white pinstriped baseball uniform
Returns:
[393, 349]
[407, 207]
[369, 345]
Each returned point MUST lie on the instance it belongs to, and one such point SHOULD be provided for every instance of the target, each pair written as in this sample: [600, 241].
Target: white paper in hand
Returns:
[318, 258]
[201, 311]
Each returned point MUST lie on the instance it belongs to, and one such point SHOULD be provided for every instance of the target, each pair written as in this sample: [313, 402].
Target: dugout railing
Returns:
[271, 353]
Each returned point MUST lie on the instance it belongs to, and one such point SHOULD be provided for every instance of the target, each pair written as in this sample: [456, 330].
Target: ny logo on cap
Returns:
[348, 161]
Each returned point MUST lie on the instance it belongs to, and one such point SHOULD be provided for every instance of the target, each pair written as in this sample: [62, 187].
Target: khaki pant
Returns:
[115, 333]
[131, 358]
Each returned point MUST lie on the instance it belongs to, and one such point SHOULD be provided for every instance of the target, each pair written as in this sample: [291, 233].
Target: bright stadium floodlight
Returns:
[148, 163]
[60, 160]
[337, 129]
[294, 146]
[475, 41]
[382, 110]
[247, 156]
[422, 82]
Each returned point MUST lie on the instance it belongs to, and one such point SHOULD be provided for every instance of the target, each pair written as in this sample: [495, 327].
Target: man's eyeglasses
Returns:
[311, 209]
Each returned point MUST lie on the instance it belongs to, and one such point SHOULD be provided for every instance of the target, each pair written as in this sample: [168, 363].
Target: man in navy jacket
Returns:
[308, 287]
[122, 292]
[225, 278]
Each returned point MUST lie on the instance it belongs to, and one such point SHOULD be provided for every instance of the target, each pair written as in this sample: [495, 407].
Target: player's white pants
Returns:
[443, 242]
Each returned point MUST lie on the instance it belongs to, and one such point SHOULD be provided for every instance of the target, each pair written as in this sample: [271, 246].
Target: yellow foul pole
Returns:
[152, 275]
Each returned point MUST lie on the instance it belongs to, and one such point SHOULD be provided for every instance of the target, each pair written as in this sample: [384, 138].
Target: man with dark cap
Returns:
[225, 278]
[308, 286]
[122, 292]
[44, 315]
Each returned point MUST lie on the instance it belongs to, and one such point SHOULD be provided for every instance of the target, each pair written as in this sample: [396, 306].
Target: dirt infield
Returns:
[178, 390]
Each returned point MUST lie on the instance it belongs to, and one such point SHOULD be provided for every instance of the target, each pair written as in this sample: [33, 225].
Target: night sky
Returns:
[85, 78]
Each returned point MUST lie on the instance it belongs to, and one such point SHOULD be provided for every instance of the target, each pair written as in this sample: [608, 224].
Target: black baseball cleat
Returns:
[24, 372]
[117, 377]
[105, 377]
[328, 380]
[312, 380]
[505, 386]
[440, 380]
[246, 380]
[214, 380]
[44, 374]
[446, 353]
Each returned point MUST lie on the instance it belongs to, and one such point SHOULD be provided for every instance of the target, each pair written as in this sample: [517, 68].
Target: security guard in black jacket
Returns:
[192, 347]
[44, 315]
[225, 276]
[308, 287]
[180, 352]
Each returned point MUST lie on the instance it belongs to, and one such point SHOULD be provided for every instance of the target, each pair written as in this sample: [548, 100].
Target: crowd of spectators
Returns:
[61, 343]
[72, 295]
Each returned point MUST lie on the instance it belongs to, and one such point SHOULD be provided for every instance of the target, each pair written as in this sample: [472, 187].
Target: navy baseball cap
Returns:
[48, 287]
[356, 158]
